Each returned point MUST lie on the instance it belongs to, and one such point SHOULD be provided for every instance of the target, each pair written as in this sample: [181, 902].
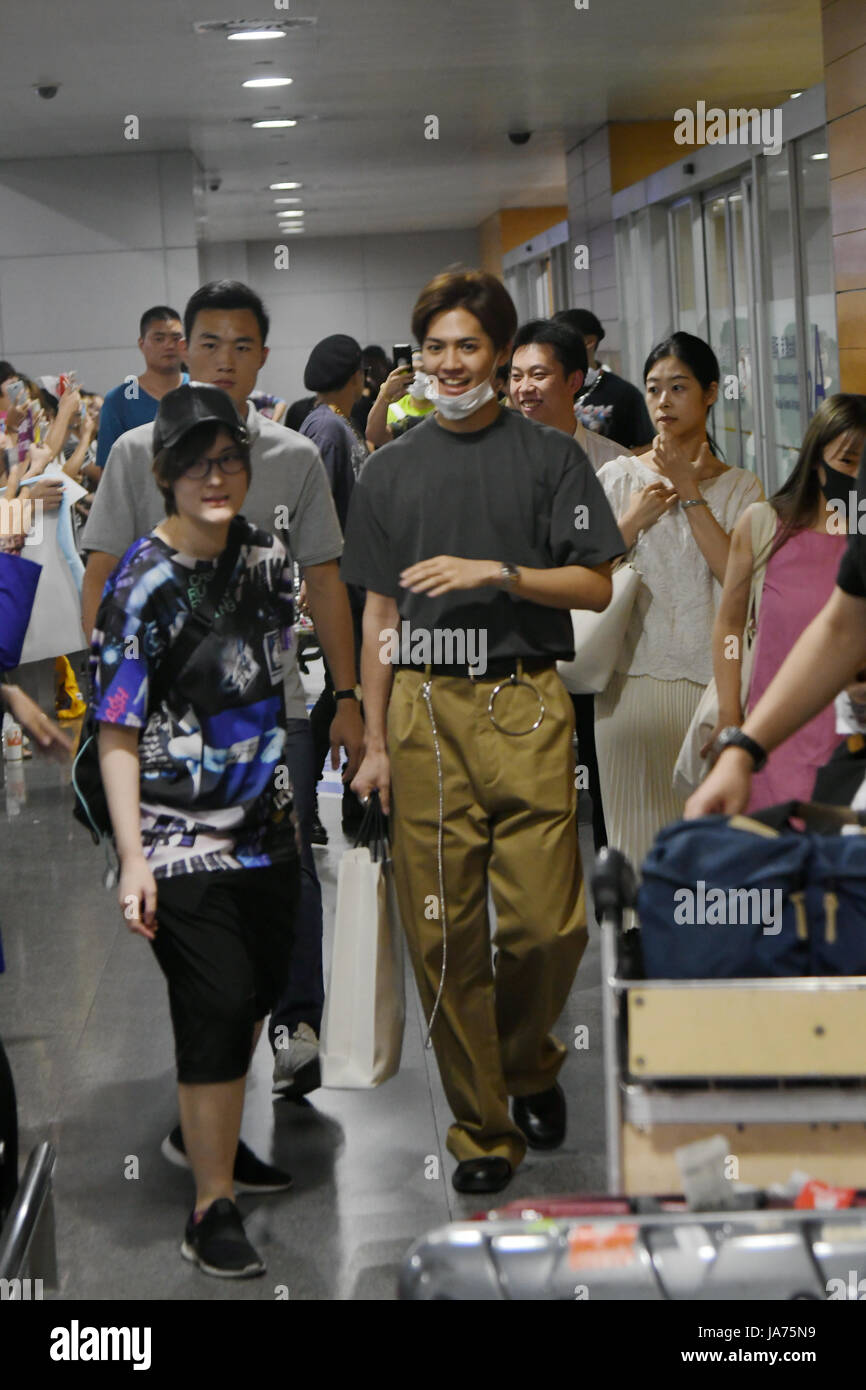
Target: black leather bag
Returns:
[91, 804]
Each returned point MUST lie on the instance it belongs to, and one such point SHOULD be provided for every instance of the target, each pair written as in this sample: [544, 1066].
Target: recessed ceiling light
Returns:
[258, 34]
[285, 185]
[296, 212]
[272, 125]
[287, 200]
[254, 28]
[820, 156]
[794, 95]
[268, 82]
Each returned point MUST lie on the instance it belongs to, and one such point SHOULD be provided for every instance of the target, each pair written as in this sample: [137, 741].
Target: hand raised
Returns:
[650, 503]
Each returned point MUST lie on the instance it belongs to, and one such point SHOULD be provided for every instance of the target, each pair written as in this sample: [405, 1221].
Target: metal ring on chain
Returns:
[515, 680]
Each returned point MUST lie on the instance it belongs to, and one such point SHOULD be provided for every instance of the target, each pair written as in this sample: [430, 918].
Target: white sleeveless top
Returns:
[670, 630]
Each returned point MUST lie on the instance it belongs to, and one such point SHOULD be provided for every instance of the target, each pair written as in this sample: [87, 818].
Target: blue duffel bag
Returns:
[837, 905]
[739, 897]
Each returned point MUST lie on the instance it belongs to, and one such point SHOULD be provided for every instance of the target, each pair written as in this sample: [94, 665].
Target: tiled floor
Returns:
[84, 1018]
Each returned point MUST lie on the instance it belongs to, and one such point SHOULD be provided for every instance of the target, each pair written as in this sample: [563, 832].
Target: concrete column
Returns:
[590, 223]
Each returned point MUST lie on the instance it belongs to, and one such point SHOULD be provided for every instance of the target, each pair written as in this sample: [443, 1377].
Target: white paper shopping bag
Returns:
[362, 1025]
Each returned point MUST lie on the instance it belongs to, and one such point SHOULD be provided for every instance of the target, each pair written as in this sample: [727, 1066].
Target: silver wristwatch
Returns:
[509, 576]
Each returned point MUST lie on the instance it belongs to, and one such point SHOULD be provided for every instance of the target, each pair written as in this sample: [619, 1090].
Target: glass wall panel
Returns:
[780, 320]
[744, 369]
[819, 289]
[759, 287]
[684, 267]
[560, 276]
[725, 422]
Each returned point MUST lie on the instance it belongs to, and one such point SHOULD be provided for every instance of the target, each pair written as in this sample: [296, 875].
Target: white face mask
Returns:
[462, 406]
[418, 389]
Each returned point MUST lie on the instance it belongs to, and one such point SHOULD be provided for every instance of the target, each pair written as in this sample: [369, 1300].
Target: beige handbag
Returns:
[598, 637]
[691, 768]
[361, 1036]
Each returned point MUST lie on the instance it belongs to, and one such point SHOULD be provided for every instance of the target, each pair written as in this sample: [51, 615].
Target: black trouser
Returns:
[584, 718]
[224, 944]
[322, 714]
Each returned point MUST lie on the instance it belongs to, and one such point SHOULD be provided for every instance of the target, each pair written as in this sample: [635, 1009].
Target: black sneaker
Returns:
[250, 1173]
[318, 833]
[218, 1243]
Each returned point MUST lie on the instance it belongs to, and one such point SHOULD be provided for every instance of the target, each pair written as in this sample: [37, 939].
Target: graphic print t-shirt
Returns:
[214, 789]
[612, 407]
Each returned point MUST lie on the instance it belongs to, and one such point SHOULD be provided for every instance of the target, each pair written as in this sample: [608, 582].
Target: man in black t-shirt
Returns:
[607, 404]
[474, 534]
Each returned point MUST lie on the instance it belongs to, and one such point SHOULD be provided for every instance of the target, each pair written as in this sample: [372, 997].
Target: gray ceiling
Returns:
[365, 77]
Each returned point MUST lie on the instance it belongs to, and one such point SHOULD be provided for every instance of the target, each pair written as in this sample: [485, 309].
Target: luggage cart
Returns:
[775, 1065]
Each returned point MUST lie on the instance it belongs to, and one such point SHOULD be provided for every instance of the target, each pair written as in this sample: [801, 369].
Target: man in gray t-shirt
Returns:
[226, 327]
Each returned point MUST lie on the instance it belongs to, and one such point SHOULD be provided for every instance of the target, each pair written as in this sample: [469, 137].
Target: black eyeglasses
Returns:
[232, 461]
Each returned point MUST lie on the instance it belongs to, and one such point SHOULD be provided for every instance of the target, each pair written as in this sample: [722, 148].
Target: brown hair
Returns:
[476, 291]
[171, 463]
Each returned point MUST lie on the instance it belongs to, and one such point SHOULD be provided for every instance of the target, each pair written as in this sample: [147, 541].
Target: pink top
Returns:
[799, 580]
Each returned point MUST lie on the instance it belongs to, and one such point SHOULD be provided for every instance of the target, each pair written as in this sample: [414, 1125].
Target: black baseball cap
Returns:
[193, 404]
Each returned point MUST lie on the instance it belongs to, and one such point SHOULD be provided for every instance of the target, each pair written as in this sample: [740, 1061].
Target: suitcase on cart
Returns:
[772, 1064]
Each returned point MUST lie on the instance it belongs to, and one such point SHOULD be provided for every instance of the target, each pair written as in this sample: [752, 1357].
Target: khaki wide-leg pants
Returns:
[510, 820]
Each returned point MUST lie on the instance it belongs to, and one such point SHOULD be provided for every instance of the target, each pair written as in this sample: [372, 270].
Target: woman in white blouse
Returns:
[676, 505]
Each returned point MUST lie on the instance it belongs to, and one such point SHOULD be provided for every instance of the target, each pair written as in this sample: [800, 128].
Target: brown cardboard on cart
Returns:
[765, 1153]
[740, 1030]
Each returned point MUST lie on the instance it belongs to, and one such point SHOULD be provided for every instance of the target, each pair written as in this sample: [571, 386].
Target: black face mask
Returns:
[837, 486]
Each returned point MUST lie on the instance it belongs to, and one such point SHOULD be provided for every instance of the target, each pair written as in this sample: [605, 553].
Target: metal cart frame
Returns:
[818, 1113]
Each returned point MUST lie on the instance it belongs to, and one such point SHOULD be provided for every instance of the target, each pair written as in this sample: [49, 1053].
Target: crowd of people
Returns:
[482, 487]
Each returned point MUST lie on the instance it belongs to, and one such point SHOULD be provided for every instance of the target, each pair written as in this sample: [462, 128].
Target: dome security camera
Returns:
[214, 183]
[520, 137]
[48, 90]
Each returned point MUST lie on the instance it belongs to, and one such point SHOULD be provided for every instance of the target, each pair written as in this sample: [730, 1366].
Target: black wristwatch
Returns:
[732, 737]
[353, 694]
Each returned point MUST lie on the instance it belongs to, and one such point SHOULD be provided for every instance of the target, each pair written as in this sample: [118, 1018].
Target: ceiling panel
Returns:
[365, 76]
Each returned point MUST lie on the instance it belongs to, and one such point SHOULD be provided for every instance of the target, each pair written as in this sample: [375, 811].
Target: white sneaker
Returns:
[296, 1066]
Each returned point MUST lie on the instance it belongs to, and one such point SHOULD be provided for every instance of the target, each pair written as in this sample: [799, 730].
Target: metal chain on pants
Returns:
[426, 688]
[425, 692]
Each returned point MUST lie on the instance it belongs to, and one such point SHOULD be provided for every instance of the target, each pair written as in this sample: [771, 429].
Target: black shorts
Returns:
[224, 944]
